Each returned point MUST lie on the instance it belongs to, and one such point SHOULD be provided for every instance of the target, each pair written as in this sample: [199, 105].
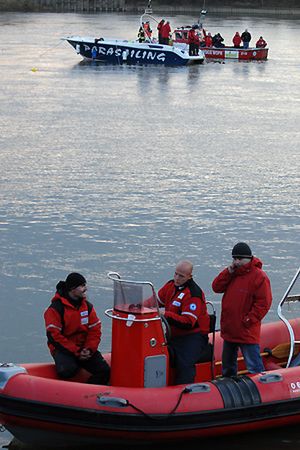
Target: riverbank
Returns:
[233, 8]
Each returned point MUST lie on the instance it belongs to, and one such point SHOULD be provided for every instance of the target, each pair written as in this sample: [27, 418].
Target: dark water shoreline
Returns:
[233, 8]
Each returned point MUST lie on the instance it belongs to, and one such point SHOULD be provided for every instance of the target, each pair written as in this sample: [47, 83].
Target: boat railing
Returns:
[287, 298]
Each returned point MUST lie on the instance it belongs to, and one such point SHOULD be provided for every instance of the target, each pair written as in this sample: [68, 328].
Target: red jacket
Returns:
[185, 308]
[261, 43]
[247, 299]
[193, 38]
[77, 329]
[208, 41]
[237, 39]
[165, 30]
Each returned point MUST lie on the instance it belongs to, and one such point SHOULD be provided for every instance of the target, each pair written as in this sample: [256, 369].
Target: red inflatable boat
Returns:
[180, 38]
[142, 404]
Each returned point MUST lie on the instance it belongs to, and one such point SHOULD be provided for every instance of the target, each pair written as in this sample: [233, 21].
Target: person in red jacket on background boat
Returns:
[247, 299]
[208, 40]
[159, 28]
[194, 42]
[165, 33]
[148, 31]
[186, 313]
[74, 332]
[261, 43]
[237, 40]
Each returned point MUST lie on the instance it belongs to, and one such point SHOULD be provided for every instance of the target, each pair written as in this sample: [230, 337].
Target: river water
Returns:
[132, 168]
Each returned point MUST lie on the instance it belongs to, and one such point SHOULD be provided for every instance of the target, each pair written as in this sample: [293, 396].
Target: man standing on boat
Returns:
[247, 298]
[159, 29]
[165, 33]
[236, 40]
[194, 42]
[185, 311]
[74, 332]
[246, 38]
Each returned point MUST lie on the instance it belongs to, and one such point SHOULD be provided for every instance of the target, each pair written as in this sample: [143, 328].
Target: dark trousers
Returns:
[187, 352]
[67, 365]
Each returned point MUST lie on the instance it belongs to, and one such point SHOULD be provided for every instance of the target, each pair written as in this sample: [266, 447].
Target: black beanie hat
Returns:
[74, 280]
[242, 249]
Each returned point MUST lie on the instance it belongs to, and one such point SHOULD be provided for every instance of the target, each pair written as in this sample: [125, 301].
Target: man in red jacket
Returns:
[165, 33]
[185, 311]
[74, 332]
[247, 299]
[261, 43]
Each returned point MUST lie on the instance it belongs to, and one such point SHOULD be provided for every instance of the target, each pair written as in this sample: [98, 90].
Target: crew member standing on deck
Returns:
[246, 38]
[236, 40]
[247, 298]
[166, 33]
[159, 28]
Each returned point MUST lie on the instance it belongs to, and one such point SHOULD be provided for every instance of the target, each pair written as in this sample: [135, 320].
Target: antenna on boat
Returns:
[202, 15]
[148, 10]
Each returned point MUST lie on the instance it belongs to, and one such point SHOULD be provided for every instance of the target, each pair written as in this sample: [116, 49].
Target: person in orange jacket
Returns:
[74, 332]
[247, 298]
[186, 313]
[237, 40]
[148, 31]
[261, 43]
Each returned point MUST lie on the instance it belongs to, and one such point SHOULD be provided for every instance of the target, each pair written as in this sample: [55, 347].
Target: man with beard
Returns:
[74, 332]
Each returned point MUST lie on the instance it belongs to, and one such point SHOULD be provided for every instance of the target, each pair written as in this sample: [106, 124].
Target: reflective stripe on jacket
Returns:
[74, 329]
[185, 308]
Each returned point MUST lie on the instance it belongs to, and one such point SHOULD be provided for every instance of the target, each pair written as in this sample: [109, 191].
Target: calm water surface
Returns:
[132, 168]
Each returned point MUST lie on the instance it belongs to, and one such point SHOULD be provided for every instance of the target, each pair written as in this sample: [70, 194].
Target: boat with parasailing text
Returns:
[142, 404]
[120, 52]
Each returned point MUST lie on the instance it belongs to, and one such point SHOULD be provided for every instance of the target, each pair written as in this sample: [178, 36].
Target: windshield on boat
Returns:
[133, 296]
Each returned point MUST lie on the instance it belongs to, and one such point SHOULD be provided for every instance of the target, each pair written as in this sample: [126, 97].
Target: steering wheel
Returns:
[166, 328]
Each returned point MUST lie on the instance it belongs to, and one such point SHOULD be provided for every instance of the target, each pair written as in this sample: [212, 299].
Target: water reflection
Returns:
[132, 168]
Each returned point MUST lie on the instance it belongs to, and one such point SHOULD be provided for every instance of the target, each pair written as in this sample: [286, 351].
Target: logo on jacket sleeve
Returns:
[193, 306]
[175, 303]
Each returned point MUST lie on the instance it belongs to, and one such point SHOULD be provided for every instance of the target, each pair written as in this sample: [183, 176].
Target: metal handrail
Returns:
[287, 323]
[114, 276]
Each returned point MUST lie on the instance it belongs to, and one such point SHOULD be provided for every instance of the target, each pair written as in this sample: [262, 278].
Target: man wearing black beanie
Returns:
[247, 298]
[74, 331]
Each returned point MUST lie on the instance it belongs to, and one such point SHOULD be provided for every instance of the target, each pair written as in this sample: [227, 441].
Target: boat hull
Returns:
[251, 54]
[133, 53]
[35, 406]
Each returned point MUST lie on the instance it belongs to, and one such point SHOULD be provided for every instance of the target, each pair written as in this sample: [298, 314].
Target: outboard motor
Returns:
[139, 353]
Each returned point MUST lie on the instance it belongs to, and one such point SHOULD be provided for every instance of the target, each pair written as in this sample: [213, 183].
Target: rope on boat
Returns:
[34, 69]
[121, 403]
[149, 416]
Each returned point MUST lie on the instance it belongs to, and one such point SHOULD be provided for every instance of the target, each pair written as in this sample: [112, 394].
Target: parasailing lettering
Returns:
[132, 53]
